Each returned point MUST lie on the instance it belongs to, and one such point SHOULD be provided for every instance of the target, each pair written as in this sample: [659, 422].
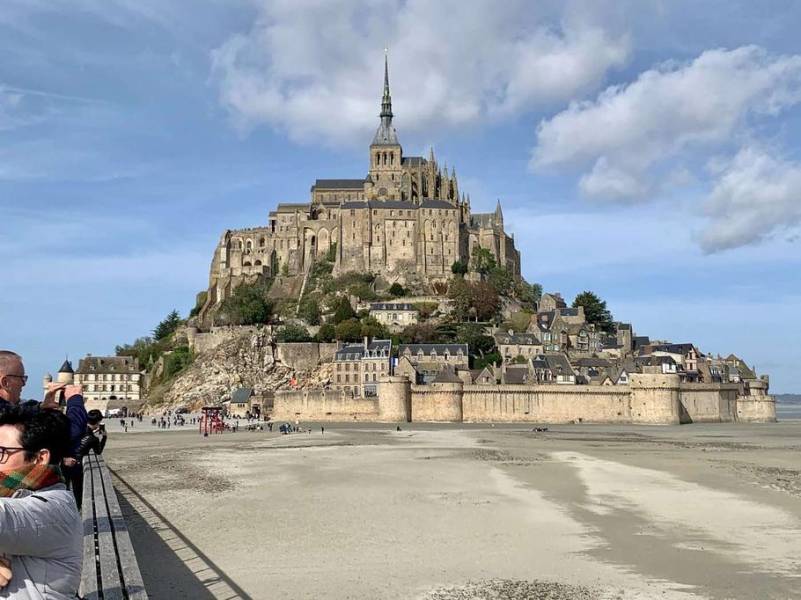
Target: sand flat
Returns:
[443, 512]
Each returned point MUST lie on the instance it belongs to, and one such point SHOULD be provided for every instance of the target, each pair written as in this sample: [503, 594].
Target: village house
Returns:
[394, 316]
[108, 381]
[511, 345]
[421, 363]
[359, 367]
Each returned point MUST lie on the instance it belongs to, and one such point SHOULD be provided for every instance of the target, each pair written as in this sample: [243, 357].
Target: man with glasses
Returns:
[41, 532]
[13, 379]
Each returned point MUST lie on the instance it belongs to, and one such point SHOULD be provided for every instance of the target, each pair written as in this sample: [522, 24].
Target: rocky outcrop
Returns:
[246, 358]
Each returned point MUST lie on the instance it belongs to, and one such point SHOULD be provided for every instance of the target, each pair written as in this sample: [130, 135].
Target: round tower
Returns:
[66, 374]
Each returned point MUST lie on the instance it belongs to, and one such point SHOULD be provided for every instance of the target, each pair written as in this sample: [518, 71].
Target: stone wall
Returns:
[300, 356]
[323, 405]
[708, 402]
[649, 399]
[546, 404]
[200, 342]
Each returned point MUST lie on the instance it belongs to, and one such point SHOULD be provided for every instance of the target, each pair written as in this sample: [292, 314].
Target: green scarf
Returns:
[31, 477]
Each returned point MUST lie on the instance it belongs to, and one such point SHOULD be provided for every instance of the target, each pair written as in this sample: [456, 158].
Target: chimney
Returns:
[365, 343]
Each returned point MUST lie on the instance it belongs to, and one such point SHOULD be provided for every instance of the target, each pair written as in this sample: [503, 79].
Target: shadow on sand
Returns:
[171, 566]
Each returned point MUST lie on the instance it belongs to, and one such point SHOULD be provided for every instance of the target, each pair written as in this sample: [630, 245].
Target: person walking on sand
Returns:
[322, 430]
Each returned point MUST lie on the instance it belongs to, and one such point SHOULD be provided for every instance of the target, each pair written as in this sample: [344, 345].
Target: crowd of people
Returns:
[41, 484]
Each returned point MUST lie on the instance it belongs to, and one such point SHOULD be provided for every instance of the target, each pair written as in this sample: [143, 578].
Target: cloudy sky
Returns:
[646, 150]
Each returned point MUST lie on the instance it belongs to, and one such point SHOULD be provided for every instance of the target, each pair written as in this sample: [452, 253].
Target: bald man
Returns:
[13, 379]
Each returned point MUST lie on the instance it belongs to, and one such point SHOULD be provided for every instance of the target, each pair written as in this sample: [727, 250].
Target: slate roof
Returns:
[428, 348]
[429, 203]
[482, 219]
[559, 364]
[522, 339]
[447, 375]
[380, 204]
[593, 362]
[350, 352]
[640, 340]
[241, 395]
[654, 361]
[414, 161]
[339, 184]
[624, 326]
[673, 348]
[66, 367]
[392, 306]
[108, 364]
[292, 206]
[516, 375]
[568, 312]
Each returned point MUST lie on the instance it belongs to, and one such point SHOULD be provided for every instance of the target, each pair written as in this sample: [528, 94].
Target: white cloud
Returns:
[669, 112]
[755, 196]
[314, 69]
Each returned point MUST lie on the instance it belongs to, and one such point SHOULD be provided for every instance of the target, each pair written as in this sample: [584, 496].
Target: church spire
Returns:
[386, 100]
[386, 133]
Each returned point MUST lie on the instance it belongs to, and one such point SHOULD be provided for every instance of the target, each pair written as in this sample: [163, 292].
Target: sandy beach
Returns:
[438, 512]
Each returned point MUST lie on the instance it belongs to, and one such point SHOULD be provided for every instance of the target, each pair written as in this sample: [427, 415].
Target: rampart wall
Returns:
[304, 356]
[649, 399]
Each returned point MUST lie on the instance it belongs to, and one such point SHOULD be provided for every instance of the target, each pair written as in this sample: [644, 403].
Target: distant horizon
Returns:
[647, 153]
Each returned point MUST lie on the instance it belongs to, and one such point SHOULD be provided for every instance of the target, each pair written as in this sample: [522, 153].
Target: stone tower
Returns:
[386, 155]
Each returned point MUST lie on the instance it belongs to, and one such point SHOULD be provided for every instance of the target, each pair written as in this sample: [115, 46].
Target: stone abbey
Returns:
[406, 221]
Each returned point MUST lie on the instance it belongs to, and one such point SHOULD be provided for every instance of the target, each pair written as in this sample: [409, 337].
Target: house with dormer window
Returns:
[423, 362]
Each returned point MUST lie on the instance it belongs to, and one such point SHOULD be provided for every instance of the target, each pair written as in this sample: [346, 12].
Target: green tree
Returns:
[419, 333]
[459, 267]
[247, 305]
[309, 311]
[327, 333]
[343, 311]
[484, 301]
[476, 338]
[349, 331]
[293, 333]
[595, 311]
[459, 293]
[483, 261]
[176, 361]
[373, 329]
[397, 290]
[528, 293]
[501, 280]
[168, 326]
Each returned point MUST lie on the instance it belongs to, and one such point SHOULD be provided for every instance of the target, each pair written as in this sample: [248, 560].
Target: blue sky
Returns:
[644, 150]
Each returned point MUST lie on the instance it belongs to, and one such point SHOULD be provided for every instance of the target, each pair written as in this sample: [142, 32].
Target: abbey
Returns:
[405, 221]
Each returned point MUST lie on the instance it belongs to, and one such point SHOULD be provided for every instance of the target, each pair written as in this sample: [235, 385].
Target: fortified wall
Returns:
[648, 399]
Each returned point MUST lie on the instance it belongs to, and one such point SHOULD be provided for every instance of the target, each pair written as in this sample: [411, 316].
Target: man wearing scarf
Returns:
[40, 527]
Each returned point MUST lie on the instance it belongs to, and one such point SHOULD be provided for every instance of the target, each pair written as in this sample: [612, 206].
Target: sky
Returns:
[645, 150]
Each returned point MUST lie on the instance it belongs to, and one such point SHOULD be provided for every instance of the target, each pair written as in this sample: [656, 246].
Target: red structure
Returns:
[211, 421]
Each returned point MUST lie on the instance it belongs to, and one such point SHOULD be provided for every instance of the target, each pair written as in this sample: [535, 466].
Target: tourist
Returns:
[322, 430]
[40, 527]
[13, 379]
[94, 438]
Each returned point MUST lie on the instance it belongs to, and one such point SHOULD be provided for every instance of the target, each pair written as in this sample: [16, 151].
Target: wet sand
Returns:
[467, 512]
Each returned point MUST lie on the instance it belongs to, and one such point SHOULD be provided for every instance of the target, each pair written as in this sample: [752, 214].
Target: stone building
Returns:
[358, 368]
[511, 345]
[406, 220]
[394, 315]
[422, 363]
[108, 381]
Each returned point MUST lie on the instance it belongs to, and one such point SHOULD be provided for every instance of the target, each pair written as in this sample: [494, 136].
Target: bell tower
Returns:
[386, 154]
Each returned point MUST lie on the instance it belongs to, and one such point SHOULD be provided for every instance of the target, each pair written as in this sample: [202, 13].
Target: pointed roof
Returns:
[386, 135]
[66, 367]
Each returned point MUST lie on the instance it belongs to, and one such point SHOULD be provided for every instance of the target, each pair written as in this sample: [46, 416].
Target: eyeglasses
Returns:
[23, 377]
[5, 452]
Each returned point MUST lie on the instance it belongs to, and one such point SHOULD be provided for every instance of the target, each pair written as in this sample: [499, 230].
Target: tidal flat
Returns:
[446, 512]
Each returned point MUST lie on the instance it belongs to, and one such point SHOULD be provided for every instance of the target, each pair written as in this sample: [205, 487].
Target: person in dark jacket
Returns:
[94, 438]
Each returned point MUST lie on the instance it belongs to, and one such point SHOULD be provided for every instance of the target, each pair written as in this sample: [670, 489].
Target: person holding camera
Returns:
[94, 438]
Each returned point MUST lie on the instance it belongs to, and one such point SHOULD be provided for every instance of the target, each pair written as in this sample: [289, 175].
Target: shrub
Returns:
[373, 329]
[327, 333]
[309, 311]
[397, 290]
[459, 267]
[349, 331]
[176, 361]
[248, 305]
[293, 333]
[343, 311]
